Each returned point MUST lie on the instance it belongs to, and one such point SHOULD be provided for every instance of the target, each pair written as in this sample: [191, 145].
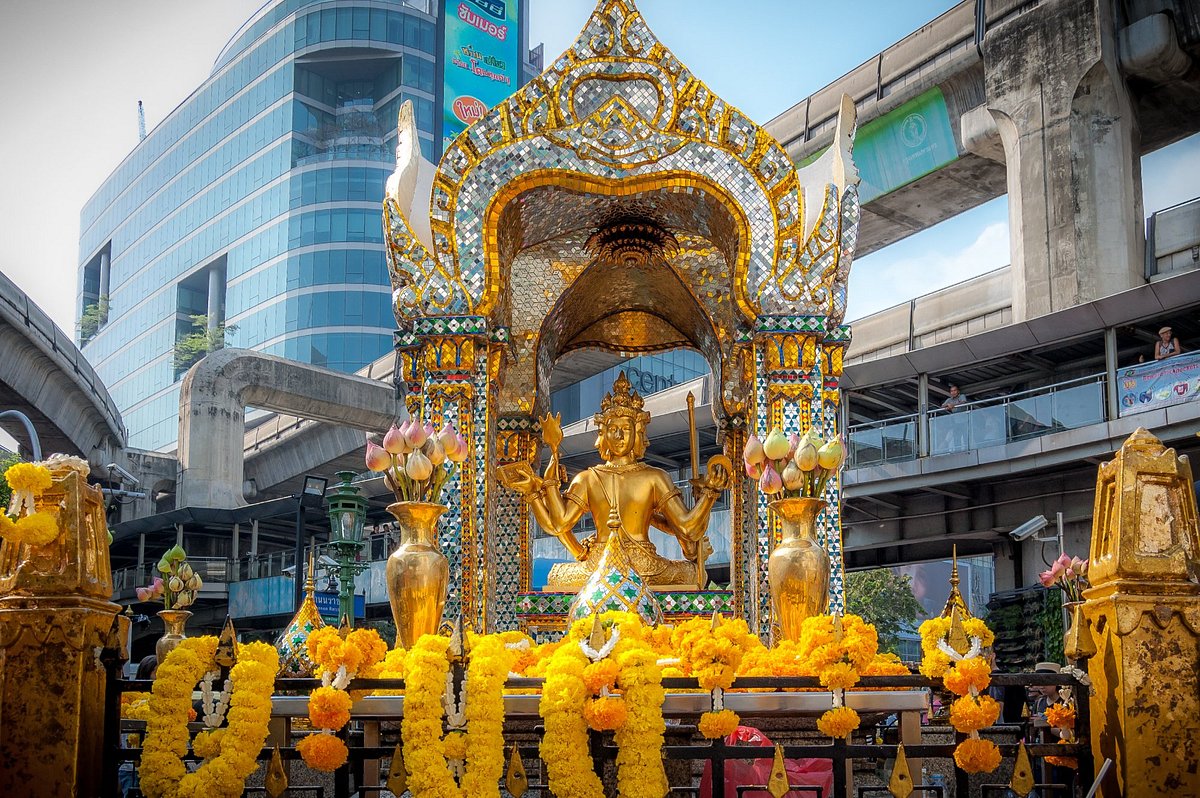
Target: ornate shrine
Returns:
[616, 203]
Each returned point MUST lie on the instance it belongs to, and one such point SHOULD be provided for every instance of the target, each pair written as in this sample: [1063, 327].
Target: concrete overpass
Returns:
[44, 375]
[1007, 96]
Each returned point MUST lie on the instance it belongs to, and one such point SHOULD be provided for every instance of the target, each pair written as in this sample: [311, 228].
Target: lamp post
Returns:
[312, 494]
[347, 511]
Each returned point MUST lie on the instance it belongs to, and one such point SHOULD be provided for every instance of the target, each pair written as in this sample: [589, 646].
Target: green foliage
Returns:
[200, 341]
[6, 461]
[885, 599]
[92, 317]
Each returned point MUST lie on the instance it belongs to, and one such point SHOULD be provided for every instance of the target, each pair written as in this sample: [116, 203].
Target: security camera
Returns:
[125, 475]
[1029, 528]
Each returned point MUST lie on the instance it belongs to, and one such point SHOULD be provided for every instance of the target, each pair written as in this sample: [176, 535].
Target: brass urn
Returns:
[174, 621]
[418, 574]
[798, 568]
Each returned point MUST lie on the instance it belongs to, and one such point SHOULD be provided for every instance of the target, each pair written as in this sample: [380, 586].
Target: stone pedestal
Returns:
[1143, 610]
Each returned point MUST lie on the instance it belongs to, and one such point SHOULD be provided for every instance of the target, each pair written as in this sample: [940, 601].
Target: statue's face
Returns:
[619, 435]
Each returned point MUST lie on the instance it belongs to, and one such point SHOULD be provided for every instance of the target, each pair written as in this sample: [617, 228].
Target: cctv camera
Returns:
[1029, 528]
[125, 475]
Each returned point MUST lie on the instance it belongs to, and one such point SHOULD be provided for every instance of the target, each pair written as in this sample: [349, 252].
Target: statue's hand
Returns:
[519, 477]
[552, 430]
[718, 474]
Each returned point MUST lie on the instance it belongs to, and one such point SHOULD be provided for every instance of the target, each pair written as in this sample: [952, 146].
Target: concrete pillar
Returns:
[105, 280]
[1112, 401]
[1071, 146]
[235, 542]
[216, 298]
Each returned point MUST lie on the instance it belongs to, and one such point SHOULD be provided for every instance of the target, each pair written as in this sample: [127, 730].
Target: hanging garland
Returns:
[712, 651]
[338, 660]
[837, 649]
[230, 754]
[1061, 718]
[966, 674]
[23, 523]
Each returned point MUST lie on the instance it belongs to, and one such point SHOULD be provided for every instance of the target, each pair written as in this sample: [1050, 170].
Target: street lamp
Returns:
[311, 495]
[347, 511]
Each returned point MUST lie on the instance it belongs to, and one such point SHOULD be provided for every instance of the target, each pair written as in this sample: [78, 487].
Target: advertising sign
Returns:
[328, 606]
[1159, 384]
[904, 144]
[482, 60]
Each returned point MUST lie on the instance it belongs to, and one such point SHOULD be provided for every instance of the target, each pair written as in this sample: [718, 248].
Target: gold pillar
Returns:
[55, 616]
[1143, 609]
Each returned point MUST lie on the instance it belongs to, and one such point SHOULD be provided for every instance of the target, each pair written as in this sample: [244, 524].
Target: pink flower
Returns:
[416, 433]
[1046, 578]
[378, 458]
[754, 470]
[1062, 563]
[393, 443]
[753, 453]
[460, 450]
[448, 437]
[770, 482]
[143, 593]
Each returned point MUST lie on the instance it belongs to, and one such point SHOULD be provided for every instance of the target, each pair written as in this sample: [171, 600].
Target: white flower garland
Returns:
[214, 707]
[605, 650]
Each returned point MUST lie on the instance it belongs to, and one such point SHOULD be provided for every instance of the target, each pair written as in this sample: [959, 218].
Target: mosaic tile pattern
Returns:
[510, 526]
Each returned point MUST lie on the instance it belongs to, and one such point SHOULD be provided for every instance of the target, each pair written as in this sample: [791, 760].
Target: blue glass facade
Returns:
[258, 200]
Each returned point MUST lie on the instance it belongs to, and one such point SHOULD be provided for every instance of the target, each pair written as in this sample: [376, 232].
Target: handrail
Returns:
[1044, 390]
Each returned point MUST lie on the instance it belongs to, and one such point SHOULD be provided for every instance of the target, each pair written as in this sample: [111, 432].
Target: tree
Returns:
[7, 460]
[885, 599]
[92, 317]
[200, 341]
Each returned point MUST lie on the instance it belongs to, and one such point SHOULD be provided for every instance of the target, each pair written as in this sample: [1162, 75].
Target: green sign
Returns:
[483, 60]
[903, 145]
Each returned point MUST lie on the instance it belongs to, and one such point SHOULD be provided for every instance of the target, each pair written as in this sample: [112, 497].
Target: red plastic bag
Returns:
[740, 772]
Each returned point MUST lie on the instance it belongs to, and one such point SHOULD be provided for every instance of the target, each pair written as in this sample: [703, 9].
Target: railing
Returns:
[976, 425]
[213, 570]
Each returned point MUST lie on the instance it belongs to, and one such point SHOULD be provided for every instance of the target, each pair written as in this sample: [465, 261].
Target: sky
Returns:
[74, 71]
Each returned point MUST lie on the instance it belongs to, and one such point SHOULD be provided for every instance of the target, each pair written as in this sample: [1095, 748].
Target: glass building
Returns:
[256, 203]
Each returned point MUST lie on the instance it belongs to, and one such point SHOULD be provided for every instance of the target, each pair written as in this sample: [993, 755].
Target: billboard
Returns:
[1160, 383]
[482, 60]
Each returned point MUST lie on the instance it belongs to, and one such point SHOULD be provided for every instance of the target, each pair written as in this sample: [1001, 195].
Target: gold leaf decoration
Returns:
[276, 781]
[515, 781]
[900, 784]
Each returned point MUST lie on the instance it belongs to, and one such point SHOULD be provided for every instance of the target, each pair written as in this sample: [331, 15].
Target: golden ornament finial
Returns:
[957, 636]
[515, 781]
[227, 646]
[310, 584]
[397, 780]
[955, 599]
[623, 401]
[1022, 778]
[716, 619]
[838, 628]
[597, 637]
[276, 780]
[344, 626]
[778, 785]
[900, 784]
[1078, 643]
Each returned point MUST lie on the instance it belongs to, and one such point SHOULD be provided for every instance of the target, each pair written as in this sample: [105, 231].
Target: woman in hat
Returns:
[1167, 345]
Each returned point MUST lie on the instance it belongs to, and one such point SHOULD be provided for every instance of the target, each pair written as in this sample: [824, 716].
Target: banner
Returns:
[482, 64]
[903, 145]
[1160, 383]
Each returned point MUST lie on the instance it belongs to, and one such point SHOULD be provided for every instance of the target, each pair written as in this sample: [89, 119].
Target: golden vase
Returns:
[174, 621]
[798, 568]
[418, 574]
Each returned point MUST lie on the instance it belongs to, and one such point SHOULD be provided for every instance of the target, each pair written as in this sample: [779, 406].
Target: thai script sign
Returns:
[482, 66]
[1159, 384]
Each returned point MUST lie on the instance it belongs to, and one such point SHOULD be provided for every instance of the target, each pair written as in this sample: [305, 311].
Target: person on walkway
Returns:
[1167, 345]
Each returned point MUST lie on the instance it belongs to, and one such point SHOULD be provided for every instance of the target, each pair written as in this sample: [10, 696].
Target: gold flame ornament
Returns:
[276, 780]
[1022, 778]
[397, 780]
[957, 636]
[227, 645]
[900, 784]
[778, 785]
[515, 781]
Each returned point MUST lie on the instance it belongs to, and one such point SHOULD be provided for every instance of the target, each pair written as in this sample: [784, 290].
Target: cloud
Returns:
[890, 277]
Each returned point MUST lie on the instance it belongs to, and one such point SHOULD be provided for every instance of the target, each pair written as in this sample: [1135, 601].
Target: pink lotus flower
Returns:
[1047, 578]
[393, 443]
[754, 470]
[143, 593]
[434, 451]
[378, 458]
[416, 433]
[460, 452]
[770, 482]
[753, 453]
[448, 437]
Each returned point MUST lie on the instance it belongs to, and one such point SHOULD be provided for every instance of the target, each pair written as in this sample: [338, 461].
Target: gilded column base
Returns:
[52, 691]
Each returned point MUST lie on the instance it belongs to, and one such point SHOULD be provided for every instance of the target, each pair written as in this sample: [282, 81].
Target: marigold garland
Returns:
[966, 676]
[976, 755]
[640, 771]
[329, 708]
[337, 661]
[712, 651]
[718, 724]
[232, 755]
[1061, 716]
[838, 722]
[564, 746]
[28, 526]
[323, 752]
[972, 713]
[605, 713]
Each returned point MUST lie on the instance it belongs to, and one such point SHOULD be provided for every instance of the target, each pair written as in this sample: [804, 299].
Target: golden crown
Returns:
[623, 401]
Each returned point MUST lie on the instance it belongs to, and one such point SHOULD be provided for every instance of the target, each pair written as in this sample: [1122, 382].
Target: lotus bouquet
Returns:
[416, 461]
[1070, 574]
[178, 585]
[796, 466]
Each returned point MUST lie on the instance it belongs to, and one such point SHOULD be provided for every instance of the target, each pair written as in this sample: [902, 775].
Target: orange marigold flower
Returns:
[968, 673]
[323, 752]
[1061, 716]
[719, 724]
[972, 713]
[599, 675]
[329, 708]
[606, 713]
[838, 676]
[1063, 761]
[976, 755]
[838, 722]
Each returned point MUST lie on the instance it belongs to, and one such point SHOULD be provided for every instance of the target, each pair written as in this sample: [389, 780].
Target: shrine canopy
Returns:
[615, 202]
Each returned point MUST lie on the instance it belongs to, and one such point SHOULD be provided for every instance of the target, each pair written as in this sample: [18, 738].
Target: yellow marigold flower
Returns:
[329, 708]
[1061, 716]
[37, 529]
[976, 755]
[456, 745]
[934, 664]
[838, 722]
[28, 478]
[968, 673]
[719, 724]
[974, 627]
[607, 713]
[972, 713]
[886, 665]
[323, 752]
[839, 676]
[207, 743]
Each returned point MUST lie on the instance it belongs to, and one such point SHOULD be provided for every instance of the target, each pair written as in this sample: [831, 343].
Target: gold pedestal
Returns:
[1143, 612]
[55, 617]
